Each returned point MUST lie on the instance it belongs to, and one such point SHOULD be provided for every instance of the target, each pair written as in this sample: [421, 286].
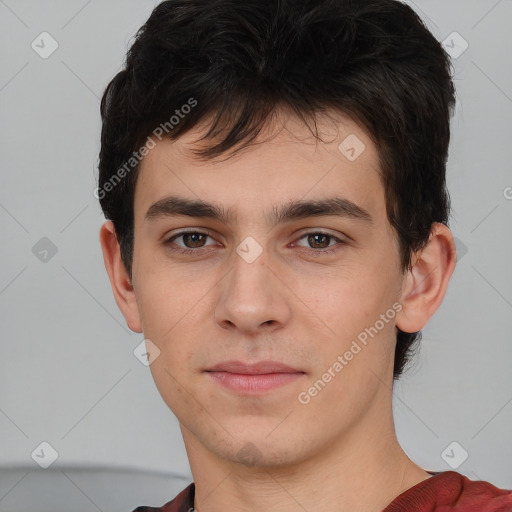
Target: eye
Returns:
[193, 241]
[320, 238]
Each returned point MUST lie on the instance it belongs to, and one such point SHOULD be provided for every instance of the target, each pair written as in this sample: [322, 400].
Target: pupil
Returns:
[194, 237]
[314, 237]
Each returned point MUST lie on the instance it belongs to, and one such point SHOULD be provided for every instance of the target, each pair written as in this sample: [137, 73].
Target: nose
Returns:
[253, 298]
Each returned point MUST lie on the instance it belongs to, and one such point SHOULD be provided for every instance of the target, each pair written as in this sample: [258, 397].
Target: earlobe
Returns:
[122, 288]
[426, 282]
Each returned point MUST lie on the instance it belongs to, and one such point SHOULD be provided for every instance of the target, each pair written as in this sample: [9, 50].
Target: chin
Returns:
[259, 451]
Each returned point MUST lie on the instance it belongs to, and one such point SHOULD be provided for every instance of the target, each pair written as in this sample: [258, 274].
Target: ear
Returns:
[124, 293]
[426, 282]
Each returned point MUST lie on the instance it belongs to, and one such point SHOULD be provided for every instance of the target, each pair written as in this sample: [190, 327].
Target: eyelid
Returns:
[322, 231]
[301, 234]
[340, 240]
[319, 231]
[168, 238]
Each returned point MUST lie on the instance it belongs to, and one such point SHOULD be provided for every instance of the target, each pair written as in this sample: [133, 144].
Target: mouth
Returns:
[247, 378]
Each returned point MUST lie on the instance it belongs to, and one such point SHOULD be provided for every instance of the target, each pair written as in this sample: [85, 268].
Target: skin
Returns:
[339, 452]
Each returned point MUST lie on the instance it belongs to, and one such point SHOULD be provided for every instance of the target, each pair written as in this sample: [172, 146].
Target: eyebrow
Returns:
[173, 206]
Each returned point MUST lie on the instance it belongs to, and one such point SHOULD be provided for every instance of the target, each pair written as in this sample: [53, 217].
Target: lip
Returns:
[255, 378]
[259, 368]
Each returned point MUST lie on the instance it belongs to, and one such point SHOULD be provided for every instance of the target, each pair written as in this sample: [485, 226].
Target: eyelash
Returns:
[192, 251]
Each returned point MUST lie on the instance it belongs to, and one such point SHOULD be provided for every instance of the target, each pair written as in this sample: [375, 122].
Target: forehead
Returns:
[285, 163]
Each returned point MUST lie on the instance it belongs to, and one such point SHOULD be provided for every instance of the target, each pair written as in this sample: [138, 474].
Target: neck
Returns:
[363, 470]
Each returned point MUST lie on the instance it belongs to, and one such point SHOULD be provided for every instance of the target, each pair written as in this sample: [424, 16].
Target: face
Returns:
[298, 288]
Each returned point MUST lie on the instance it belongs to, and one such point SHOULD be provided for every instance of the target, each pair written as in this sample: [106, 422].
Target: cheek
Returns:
[178, 392]
[346, 302]
[350, 308]
[163, 298]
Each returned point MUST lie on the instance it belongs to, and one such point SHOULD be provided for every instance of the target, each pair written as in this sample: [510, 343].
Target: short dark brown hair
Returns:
[239, 60]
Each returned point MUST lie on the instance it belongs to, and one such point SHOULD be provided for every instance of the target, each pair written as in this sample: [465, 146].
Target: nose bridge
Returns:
[249, 281]
[250, 296]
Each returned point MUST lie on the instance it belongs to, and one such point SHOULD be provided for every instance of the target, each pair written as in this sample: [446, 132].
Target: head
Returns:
[254, 107]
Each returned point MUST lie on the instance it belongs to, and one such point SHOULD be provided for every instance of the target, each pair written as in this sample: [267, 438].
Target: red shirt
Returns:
[446, 491]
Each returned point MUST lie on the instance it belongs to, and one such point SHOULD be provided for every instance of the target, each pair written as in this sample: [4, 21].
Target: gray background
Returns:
[68, 375]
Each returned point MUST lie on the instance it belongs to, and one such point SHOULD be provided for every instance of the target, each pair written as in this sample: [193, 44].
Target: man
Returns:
[274, 178]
